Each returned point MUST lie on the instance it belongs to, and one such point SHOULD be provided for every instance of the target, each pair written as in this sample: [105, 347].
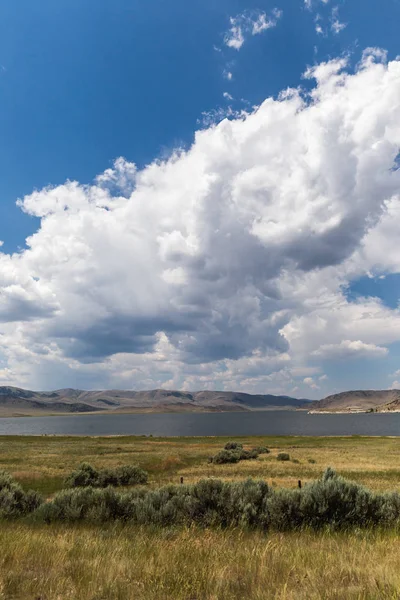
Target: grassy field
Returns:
[42, 463]
[60, 562]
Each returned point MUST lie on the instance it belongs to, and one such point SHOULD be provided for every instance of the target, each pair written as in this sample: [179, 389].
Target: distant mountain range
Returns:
[359, 401]
[16, 401]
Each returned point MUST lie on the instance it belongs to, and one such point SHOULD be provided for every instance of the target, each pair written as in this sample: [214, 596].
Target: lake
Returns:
[206, 424]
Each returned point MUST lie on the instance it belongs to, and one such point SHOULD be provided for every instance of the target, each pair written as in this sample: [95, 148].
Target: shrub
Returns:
[207, 503]
[225, 457]
[84, 476]
[339, 503]
[248, 454]
[331, 501]
[284, 512]
[88, 476]
[83, 504]
[233, 456]
[283, 456]
[389, 509]
[131, 475]
[14, 501]
[230, 504]
[328, 474]
[262, 450]
[6, 481]
[233, 446]
[312, 461]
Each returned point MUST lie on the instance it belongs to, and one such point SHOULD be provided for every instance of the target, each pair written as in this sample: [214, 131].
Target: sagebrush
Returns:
[330, 501]
[14, 501]
[88, 476]
[234, 453]
[233, 446]
[283, 456]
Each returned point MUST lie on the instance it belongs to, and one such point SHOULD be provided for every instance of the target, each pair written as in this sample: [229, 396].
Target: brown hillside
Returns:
[360, 400]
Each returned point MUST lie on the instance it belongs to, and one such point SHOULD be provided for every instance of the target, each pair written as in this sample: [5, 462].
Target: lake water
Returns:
[230, 424]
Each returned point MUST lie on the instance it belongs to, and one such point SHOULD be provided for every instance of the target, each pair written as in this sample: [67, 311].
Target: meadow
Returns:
[115, 561]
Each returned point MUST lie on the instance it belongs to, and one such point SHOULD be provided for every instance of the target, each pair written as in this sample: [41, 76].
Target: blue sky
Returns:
[83, 83]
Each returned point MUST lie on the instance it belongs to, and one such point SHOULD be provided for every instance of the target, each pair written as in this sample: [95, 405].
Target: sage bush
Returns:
[14, 501]
[330, 501]
[88, 476]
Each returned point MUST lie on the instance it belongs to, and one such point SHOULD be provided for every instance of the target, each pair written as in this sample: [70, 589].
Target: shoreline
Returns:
[352, 412]
[193, 412]
[149, 412]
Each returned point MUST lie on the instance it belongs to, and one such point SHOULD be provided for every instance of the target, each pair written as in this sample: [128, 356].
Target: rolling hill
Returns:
[17, 401]
[359, 401]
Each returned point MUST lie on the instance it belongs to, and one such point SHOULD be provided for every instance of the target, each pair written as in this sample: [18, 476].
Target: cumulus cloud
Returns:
[223, 266]
[350, 349]
[120, 178]
[249, 23]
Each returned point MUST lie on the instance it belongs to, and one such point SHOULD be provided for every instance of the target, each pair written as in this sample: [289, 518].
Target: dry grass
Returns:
[60, 563]
[42, 463]
[124, 563]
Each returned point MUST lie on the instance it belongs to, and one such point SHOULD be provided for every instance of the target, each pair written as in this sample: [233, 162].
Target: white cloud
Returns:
[325, 22]
[336, 25]
[318, 27]
[350, 349]
[249, 23]
[310, 3]
[235, 38]
[224, 265]
[262, 22]
[373, 55]
[311, 383]
[214, 116]
[303, 371]
[228, 75]
[120, 178]
[227, 96]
